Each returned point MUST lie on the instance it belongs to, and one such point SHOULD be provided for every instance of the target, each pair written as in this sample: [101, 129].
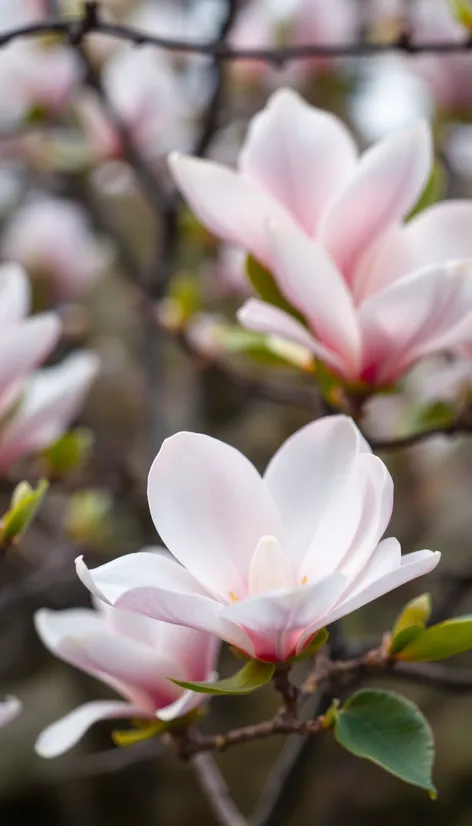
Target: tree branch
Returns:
[216, 791]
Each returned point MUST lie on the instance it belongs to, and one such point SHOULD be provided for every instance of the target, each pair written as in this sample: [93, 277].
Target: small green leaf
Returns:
[440, 641]
[266, 287]
[128, 737]
[331, 717]
[433, 191]
[320, 639]
[70, 452]
[415, 612]
[87, 516]
[403, 638]
[391, 731]
[25, 503]
[253, 675]
[462, 11]
[429, 416]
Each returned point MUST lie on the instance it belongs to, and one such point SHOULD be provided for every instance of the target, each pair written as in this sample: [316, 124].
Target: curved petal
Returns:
[386, 261]
[210, 506]
[380, 577]
[175, 597]
[305, 474]
[9, 709]
[429, 311]
[186, 702]
[229, 205]
[274, 621]
[14, 295]
[389, 180]
[311, 282]
[440, 234]
[65, 733]
[264, 318]
[301, 155]
[52, 399]
[23, 346]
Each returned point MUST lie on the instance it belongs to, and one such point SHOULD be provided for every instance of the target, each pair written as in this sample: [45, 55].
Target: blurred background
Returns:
[86, 206]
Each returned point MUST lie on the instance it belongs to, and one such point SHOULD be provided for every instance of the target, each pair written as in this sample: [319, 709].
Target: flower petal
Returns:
[388, 181]
[65, 733]
[311, 282]
[23, 346]
[274, 620]
[14, 295]
[299, 154]
[306, 473]
[270, 567]
[440, 234]
[229, 205]
[264, 318]
[9, 709]
[210, 506]
[426, 312]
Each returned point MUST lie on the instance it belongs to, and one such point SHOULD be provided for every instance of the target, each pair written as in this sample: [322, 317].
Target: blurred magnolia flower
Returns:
[52, 239]
[9, 709]
[268, 561]
[133, 655]
[145, 93]
[376, 295]
[35, 406]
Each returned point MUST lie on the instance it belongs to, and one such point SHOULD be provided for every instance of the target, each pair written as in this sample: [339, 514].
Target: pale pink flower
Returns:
[52, 239]
[36, 406]
[268, 561]
[9, 709]
[145, 93]
[133, 655]
[377, 295]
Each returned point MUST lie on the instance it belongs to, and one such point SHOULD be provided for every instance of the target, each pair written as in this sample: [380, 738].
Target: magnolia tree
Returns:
[230, 323]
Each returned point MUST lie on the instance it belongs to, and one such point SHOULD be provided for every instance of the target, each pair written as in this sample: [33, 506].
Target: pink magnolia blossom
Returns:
[265, 562]
[9, 709]
[133, 655]
[36, 406]
[52, 239]
[376, 294]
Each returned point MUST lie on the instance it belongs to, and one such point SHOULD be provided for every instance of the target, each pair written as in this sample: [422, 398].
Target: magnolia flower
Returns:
[52, 239]
[377, 295]
[268, 561]
[144, 91]
[9, 709]
[134, 656]
[35, 406]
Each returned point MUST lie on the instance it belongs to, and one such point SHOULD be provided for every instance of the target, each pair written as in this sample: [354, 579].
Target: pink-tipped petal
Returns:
[312, 283]
[388, 181]
[301, 155]
[65, 733]
[230, 206]
[210, 506]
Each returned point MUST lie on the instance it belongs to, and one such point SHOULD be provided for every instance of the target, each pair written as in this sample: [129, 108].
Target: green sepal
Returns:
[435, 187]
[266, 288]
[252, 676]
[25, 503]
[320, 639]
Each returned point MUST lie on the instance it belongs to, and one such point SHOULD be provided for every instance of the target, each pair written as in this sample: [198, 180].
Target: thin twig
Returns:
[452, 429]
[216, 791]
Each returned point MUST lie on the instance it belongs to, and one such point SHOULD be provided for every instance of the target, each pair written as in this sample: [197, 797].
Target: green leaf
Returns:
[415, 612]
[391, 731]
[266, 287]
[266, 349]
[430, 416]
[435, 187]
[253, 675]
[25, 502]
[70, 452]
[404, 637]
[128, 737]
[440, 641]
[462, 11]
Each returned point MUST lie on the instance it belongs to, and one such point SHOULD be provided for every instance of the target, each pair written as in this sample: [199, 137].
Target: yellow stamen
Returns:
[304, 580]
[233, 597]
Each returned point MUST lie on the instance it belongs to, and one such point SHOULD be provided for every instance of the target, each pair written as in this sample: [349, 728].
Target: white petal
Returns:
[389, 180]
[270, 567]
[301, 155]
[440, 234]
[264, 318]
[210, 506]
[307, 472]
[229, 205]
[14, 295]
[23, 346]
[311, 282]
[65, 733]
[429, 311]
[9, 709]
[186, 702]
